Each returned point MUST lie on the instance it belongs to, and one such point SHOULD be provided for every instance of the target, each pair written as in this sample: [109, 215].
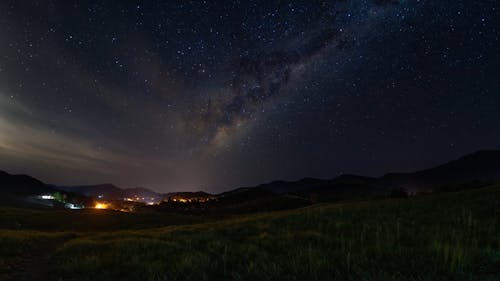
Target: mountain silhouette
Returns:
[21, 185]
[476, 169]
[473, 170]
[482, 167]
[111, 192]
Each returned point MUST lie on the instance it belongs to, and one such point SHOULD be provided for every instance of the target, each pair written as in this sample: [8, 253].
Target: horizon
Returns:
[206, 96]
[392, 172]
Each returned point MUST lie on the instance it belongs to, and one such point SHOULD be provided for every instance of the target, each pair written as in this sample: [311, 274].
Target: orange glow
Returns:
[101, 206]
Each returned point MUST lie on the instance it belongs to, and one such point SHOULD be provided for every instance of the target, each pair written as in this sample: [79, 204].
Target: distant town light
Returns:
[101, 206]
[72, 206]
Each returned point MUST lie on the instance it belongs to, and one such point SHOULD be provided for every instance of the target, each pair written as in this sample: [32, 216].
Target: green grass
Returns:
[449, 236]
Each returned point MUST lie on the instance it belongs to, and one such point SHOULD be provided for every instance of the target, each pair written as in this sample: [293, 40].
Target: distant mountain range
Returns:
[476, 169]
[473, 170]
[112, 192]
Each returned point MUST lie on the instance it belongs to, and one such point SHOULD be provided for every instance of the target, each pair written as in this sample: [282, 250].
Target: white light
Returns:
[72, 206]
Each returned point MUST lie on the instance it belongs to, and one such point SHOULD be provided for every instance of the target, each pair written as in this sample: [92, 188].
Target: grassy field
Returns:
[90, 220]
[448, 236]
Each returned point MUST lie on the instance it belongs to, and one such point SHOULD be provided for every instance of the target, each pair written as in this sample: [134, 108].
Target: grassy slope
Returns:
[452, 236]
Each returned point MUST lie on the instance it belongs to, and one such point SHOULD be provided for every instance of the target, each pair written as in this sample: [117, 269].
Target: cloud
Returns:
[25, 139]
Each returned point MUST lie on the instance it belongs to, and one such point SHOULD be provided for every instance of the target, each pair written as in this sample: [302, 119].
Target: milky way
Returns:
[259, 78]
[178, 95]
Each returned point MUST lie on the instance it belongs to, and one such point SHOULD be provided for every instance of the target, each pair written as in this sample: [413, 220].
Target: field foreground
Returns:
[448, 236]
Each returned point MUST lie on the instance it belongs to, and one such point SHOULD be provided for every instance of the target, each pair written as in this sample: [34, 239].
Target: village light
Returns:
[101, 206]
[73, 206]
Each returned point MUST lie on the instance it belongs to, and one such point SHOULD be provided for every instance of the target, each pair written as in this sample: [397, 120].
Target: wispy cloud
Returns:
[23, 138]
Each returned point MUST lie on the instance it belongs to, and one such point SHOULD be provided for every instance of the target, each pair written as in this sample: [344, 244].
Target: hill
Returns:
[479, 168]
[476, 169]
[109, 191]
[21, 185]
[21, 190]
[445, 236]
[106, 190]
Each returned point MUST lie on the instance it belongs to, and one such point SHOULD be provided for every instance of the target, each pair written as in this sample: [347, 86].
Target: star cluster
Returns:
[190, 95]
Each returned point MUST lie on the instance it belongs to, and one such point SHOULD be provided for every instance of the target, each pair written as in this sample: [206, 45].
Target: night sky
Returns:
[213, 95]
